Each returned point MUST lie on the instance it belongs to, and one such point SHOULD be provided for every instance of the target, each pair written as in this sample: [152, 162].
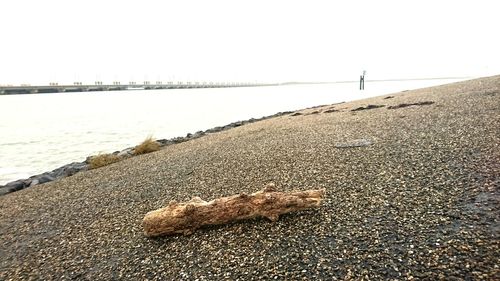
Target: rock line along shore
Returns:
[412, 192]
[75, 167]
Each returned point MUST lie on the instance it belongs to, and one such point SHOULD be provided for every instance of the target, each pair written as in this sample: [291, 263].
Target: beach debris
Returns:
[185, 218]
[331, 110]
[410, 104]
[354, 143]
[370, 106]
[314, 112]
[388, 97]
[296, 114]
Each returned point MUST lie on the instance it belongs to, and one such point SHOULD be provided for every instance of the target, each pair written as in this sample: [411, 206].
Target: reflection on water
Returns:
[42, 132]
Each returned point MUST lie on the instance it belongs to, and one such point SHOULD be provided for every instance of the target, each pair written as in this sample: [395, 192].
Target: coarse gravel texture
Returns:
[419, 201]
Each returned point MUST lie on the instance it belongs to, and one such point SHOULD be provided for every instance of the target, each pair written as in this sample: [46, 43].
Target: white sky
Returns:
[66, 41]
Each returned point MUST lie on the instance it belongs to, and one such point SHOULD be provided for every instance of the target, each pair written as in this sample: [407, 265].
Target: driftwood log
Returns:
[186, 217]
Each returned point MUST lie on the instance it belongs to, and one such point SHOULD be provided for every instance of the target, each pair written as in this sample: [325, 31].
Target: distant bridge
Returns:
[117, 86]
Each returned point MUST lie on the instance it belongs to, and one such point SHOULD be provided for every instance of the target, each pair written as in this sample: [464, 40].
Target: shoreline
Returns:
[76, 167]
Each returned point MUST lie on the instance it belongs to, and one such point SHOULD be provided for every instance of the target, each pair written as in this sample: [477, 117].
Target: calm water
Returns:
[39, 133]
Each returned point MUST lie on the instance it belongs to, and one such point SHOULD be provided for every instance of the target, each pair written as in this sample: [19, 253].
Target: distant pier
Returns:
[117, 86]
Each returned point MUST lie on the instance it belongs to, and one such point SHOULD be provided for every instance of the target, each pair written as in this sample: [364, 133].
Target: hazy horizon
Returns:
[278, 41]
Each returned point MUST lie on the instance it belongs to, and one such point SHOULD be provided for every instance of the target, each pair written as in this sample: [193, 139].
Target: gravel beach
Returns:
[412, 185]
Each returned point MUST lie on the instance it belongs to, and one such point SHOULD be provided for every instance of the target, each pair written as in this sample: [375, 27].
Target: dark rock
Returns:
[389, 97]
[370, 106]
[45, 178]
[16, 185]
[162, 141]
[61, 172]
[27, 182]
[68, 170]
[34, 182]
[4, 190]
[237, 124]
[214, 130]
[296, 114]
[126, 153]
[74, 168]
[57, 173]
[165, 142]
[330, 110]
[198, 134]
[178, 139]
[410, 104]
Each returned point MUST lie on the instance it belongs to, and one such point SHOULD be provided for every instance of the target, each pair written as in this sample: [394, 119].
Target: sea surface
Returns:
[41, 132]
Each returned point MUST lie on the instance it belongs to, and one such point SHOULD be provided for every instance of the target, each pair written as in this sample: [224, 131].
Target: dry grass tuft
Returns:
[104, 159]
[147, 146]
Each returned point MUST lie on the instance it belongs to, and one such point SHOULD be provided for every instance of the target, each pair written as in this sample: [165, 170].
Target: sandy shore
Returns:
[417, 198]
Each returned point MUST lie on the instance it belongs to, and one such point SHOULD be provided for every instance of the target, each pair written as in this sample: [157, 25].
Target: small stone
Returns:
[370, 106]
[354, 143]
[128, 152]
[16, 185]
